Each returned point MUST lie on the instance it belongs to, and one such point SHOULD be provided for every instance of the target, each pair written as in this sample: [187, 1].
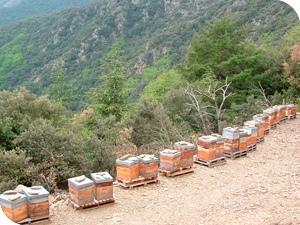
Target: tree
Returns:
[59, 90]
[223, 48]
[110, 99]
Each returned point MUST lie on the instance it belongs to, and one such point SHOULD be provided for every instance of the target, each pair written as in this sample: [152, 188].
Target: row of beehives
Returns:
[32, 203]
[82, 190]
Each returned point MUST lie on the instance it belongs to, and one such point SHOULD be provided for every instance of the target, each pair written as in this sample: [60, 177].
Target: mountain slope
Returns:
[14, 10]
[149, 29]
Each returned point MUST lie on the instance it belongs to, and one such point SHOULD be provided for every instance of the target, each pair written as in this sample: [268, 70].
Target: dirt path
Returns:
[261, 188]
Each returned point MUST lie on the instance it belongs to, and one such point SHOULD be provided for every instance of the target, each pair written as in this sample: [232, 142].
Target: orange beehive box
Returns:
[37, 202]
[170, 160]
[220, 145]
[263, 117]
[232, 137]
[243, 140]
[81, 190]
[260, 124]
[103, 185]
[294, 109]
[207, 146]
[14, 206]
[187, 153]
[272, 116]
[281, 111]
[252, 140]
[148, 166]
[128, 170]
[288, 111]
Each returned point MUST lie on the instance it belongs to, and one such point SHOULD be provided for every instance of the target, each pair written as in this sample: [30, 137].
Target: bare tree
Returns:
[213, 92]
[261, 90]
[195, 103]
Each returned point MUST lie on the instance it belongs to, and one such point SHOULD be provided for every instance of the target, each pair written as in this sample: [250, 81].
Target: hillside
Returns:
[14, 10]
[261, 188]
[79, 36]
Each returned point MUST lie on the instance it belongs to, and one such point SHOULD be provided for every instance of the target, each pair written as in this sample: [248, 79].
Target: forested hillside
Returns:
[86, 85]
[14, 10]
[31, 48]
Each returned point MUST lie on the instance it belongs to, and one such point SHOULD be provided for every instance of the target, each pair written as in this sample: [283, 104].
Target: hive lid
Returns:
[130, 161]
[231, 130]
[101, 177]
[5, 200]
[147, 158]
[250, 128]
[208, 139]
[35, 193]
[184, 144]
[170, 153]
[85, 183]
[260, 116]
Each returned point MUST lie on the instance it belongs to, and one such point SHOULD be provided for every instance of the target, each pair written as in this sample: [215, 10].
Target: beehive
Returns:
[187, 153]
[81, 190]
[253, 131]
[272, 113]
[294, 109]
[14, 206]
[281, 109]
[103, 185]
[128, 169]
[170, 160]
[232, 138]
[288, 111]
[148, 166]
[260, 124]
[220, 145]
[207, 146]
[264, 117]
[243, 140]
[37, 202]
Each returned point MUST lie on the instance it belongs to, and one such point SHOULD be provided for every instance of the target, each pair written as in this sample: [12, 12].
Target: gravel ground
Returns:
[260, 188]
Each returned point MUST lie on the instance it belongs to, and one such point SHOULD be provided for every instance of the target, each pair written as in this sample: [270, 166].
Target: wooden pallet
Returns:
[267, 131]
[235, 155]
[273, 126]
[44, 220]
[94, 205]
[211, 163]
[260, 139]
[176, 173]
[292, 117]
[251, 148]
[138, 182]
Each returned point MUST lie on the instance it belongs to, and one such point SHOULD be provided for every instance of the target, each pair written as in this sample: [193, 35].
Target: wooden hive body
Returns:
[103, 187]
[243, 141]
[260, 124]
[37, 205]
[272, 116]
[127, 170]
[288, 111]
[294, 109]
[15, 210]
[252, 140]
[187, 153]
[169, 161]
[207, 147]
[220, 145]
[232, 138]
[263, 117]
[148, 166]
[81, 193]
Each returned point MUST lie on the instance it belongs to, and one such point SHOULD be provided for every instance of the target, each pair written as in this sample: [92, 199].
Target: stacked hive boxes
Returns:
[207, 146]
[14, 205]
[232, 138]
[103, 186]
[170, 160]
[252, 140]
[128, 169]
[280, 112]
[187, 153]
[37, 202]
[148, 166]
[264, 117]
[294, 110]
[220, 145]
[81, 190]
[272, 117]
[243, 142]
[260, 124]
